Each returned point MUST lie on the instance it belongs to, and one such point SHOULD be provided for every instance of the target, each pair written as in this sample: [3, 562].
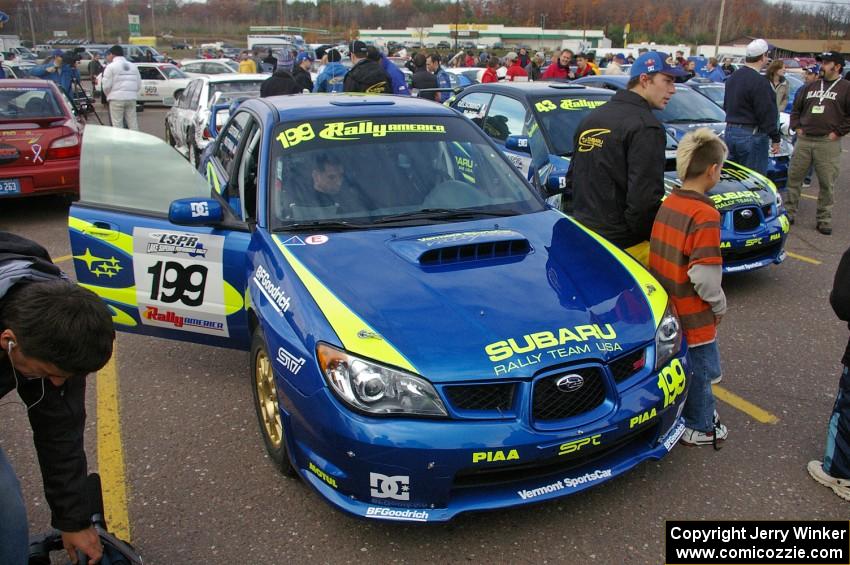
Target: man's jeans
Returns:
[836, 459]
[14, 537]
[747, 148]
[699, 407]
[825, 156]
[122, 114]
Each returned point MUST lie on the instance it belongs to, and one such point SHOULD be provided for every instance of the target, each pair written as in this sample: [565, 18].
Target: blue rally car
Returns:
[535, 125]
[427, 337]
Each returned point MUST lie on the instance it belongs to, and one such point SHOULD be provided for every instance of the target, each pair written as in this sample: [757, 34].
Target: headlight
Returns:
[778, 200]
[370, 387]
[668, 338]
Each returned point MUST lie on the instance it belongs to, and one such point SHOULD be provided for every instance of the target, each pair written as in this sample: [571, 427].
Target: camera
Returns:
[70, 57]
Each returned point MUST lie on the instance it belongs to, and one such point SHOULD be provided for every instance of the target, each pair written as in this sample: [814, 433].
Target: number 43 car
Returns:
[426, 335]
[535, 125]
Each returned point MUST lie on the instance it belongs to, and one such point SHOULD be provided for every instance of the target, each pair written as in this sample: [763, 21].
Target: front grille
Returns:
[551, 403]
[750, 253]
[627, 365]
[474, 477]
[475, 252]
[743, 223]
[481, 397]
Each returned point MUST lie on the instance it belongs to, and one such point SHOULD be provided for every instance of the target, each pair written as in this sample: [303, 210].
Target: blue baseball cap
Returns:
[654, 62]
[303, 56]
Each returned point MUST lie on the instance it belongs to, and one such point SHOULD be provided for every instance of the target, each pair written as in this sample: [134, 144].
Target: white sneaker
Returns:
[841, 487]
[693, 437]
[717, 379]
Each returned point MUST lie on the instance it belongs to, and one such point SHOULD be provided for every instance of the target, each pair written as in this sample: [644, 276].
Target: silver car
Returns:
[187, 122]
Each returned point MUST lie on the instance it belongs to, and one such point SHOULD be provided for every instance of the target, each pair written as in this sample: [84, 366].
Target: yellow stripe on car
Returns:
[212, 177]
[655, 294]
[121, 317]
[354, 333]
[114, 238]
[759, 176]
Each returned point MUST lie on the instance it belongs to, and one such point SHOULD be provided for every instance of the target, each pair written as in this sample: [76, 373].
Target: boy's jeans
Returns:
[699, 408]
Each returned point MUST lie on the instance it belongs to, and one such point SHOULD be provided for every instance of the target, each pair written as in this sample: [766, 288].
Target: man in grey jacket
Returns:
[121, 84]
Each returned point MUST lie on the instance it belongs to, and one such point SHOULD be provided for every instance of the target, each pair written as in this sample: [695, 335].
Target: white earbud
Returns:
[10, 346]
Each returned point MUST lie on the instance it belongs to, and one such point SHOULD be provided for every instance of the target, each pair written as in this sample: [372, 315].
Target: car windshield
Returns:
[387, 171]
[688, 106]
[25, 102]
[715, 92]
[560, 116]
[236, 89]
[170, 71]
[232, 64]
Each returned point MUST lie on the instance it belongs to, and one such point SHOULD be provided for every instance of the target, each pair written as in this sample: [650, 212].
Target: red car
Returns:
[40, 140]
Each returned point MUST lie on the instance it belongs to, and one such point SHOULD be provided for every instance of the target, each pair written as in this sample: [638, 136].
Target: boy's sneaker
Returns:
[841, 487]
[716, 380]
[715, 437]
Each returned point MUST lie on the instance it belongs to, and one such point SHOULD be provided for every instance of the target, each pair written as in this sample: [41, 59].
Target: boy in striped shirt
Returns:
[684, 255]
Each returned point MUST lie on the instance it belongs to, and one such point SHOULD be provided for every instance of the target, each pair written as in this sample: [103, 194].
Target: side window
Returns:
[474, 107]
[539, 151]
[211, 68]
[229, 140]
[150, 73]
[248, 168]
[196, 95]
[192, 68]
[506, 117]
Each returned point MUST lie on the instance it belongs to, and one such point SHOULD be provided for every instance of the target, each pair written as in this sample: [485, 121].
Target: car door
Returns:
[151, 80]
[180, 115]
[158, 278]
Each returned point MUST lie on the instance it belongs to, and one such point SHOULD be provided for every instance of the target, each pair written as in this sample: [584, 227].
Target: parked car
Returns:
[17, 70]
[512, 357]
[40, 140]
[208, 67]
[161, 83]
[187, 122]
[535, 126]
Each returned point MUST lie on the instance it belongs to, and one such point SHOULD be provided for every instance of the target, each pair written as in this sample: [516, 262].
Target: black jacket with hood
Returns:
[281, 82]
[367, 76]
[839, 298]
[302, 78]
[616, 176]
[58, 419]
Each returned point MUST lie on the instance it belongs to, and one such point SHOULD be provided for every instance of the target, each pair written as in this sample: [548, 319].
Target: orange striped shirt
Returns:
[686, 232]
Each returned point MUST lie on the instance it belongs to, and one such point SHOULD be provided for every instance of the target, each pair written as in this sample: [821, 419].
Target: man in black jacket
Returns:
[834, 471]
[301, 72]
[43, 318]
[616, 177]
[422, 77]
[752, 119]
[281, 82]
[366, 75]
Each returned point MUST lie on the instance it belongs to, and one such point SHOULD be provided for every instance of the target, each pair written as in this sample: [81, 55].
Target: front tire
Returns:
[266, 405]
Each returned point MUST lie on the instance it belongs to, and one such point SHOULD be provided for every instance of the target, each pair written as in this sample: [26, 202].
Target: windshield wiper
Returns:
[694, 121]
[443, 214]
[320, 225]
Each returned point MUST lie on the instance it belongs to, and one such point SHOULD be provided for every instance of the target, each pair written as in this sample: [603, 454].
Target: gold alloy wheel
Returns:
[267, 399]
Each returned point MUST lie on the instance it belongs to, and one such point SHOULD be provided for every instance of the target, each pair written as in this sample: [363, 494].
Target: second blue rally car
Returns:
[427, 337]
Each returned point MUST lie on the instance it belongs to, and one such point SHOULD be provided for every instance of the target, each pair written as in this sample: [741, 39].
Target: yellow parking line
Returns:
[804, 258]
[744, 406]
[809, 196]
[110, 452]
[63, 258]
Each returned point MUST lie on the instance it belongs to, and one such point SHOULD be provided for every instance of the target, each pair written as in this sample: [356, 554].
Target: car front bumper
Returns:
[424, 470]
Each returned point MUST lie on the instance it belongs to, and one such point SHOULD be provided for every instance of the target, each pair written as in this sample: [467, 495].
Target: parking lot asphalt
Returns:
[199, 488]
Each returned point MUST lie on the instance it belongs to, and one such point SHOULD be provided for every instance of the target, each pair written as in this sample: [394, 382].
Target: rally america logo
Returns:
[397, 487]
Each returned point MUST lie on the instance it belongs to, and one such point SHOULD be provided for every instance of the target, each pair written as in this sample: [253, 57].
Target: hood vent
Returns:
[480, 251]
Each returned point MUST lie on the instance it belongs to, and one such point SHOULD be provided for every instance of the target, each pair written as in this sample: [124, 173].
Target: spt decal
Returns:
[671, 381]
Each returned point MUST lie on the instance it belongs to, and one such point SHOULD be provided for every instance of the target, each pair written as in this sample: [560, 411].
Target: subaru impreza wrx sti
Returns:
[535, 124]
[427, 337]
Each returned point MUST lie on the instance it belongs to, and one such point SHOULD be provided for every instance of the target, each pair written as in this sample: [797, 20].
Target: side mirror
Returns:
[518, 143]
[195, 212]
[219, 115]
[556, 182]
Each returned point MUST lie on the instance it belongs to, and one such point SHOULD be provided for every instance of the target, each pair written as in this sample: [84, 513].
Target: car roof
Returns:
[537, 88]
[187, 61]
[318, 106]
[235, 77]
[26, 83]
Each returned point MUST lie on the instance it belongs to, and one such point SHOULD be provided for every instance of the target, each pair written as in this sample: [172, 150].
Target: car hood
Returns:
[738, 187]
[549, 294]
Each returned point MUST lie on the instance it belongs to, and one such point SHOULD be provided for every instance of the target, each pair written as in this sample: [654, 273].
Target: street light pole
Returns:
[457, 20]
[32, 27]
[719, 27]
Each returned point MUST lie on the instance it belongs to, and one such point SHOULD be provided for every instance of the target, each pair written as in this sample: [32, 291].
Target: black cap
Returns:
[831, 56]
[358, 48]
